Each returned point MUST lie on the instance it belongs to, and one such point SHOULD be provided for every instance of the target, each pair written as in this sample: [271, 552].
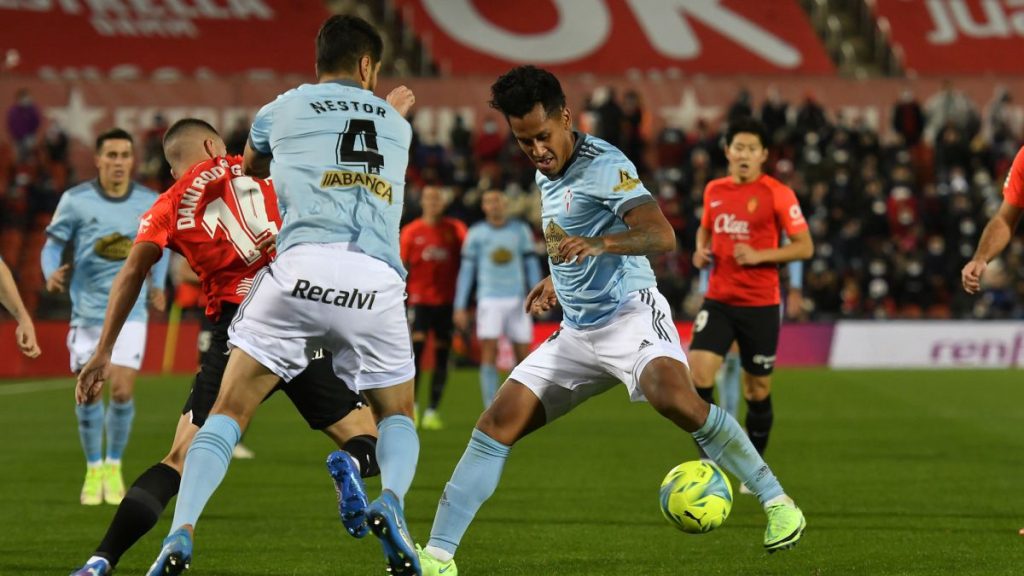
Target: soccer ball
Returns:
[696, 497]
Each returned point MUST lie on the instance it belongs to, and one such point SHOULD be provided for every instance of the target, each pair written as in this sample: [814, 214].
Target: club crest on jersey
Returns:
[501, 256]
[568, 200]
[553, 236]
[627, 182]
[113, 246]
[752, 205]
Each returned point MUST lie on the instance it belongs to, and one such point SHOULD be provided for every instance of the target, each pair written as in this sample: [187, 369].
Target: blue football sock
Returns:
[206, 463]
[398, 450]
[473, 482]
[726, 443]
[488, 383]
[729, 385]
[119, 426]
[90, 431]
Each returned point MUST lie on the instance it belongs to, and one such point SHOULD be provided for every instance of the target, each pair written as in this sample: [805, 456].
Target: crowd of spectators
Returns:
[894, 213]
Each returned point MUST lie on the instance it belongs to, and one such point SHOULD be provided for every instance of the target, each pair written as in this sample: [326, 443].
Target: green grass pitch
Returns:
[897, 472]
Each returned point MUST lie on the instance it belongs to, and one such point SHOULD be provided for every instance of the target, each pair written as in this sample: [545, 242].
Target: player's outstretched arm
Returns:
[123, 294]
[254, 163]
[994, 239]
[11, 300]
[649, 233]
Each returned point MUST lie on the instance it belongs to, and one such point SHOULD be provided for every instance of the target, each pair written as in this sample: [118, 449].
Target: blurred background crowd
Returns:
[894, 210]
[895, 207]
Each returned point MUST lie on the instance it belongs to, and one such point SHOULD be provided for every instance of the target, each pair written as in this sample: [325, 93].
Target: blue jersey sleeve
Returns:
[259, 134]
[65, 220]
[617, 185]
[50, 257]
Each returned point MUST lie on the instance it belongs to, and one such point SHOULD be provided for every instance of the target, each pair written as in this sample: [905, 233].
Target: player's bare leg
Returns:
[515, 412]
[667, 385]
[704, 365]
[521, 350]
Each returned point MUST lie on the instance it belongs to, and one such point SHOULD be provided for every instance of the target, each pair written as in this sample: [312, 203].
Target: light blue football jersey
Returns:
[339, 160]
[596, 188]
[101, 230]
[500, 260]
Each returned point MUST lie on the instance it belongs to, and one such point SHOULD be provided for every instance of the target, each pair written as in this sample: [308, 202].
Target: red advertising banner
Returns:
[957, 36]
[127, 38]
[614, 36]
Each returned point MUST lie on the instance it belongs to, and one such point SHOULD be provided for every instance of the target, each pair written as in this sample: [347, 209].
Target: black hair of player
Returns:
[186, 123]
[343, 40]
[518, 91]
[113, 134]
[746, 125]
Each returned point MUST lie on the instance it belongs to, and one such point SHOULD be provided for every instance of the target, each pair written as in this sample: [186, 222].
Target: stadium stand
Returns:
[895, 200]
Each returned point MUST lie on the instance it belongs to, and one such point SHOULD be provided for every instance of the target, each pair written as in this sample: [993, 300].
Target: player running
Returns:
[727, 380]
[998, 231]
[338, 156]
[430, 247]
[25, 333]
[218, 219]
[498, 255]
[600, 222]
[99, 219]
[745, 215]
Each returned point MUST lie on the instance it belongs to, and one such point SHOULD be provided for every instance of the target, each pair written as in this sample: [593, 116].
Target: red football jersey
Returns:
[754, 213]
[431, 254]
[1013, 188]
[216, 218]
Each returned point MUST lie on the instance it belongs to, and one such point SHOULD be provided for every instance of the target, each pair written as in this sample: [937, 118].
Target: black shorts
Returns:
[319, 395]
[436, 319]
[754, 328]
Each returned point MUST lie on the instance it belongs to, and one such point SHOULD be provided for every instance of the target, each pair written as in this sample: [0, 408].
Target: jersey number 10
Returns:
[254, 227]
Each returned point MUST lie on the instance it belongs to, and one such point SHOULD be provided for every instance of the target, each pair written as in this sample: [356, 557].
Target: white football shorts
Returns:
[496, 317]
[129, 347]
[330, 296]
[574, 365]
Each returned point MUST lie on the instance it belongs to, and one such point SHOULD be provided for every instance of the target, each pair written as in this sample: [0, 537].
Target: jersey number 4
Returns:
[251, 227]
[358, 145]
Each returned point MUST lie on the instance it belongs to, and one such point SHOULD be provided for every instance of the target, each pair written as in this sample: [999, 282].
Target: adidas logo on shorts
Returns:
[645, 344]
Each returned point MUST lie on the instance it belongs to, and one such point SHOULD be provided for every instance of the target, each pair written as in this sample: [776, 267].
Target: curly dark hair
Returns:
[746, 125]
[520, 89]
